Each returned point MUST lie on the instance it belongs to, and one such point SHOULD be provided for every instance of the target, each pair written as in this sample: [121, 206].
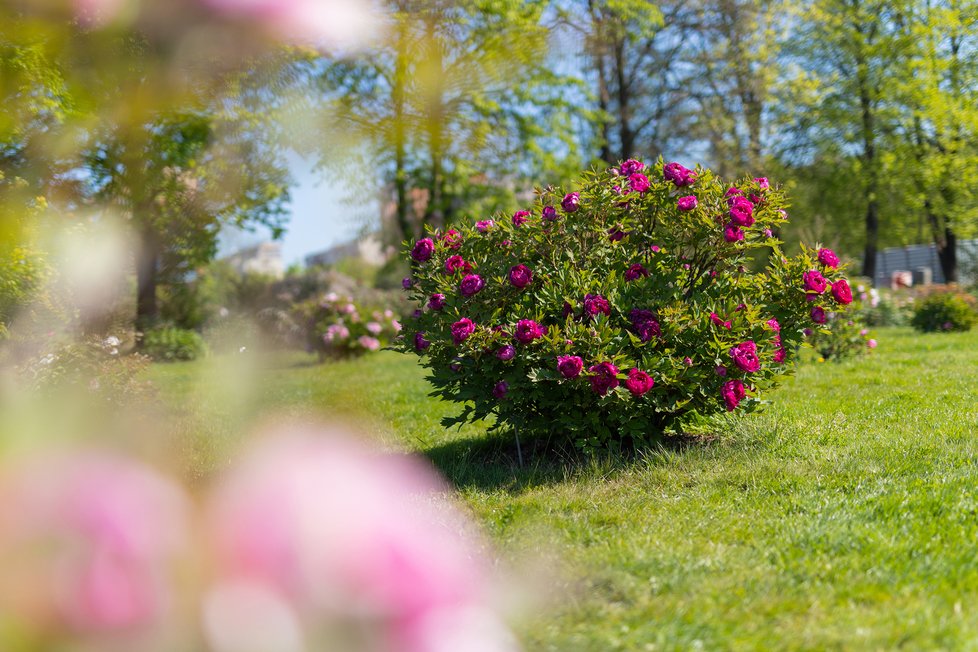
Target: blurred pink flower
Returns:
[329, 24]
[95, 535]
[343, 534]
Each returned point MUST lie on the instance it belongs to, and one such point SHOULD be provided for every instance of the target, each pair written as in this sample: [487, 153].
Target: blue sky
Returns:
[321, 216]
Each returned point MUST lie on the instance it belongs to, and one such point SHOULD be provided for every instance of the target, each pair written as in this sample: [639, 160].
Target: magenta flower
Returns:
[842, 292]
[762, 183]
[528, 330]
[506, 352]
[452, 239]
[595, 304]
[645, 324]
[520, 218]
[638, 382]
[422, 250]
[688, 361]
[500, 390]
[437, 301]
[369, 343]
[678, 174]
[407, 283]
[615, 234]
[814, 281]
[604, 377]
[733, 393]
[732, 233]
[455, 263]
[720, 370]
[636, 271]
[571, 202]
[549, 213]
[483, 226]
[420, 343]
[774, 325]
[471, 285]
[741, 212]
[715, 318]
[745, 356]
[520, 276]
[462, 329]
[871, 343]
[686, 203]
[731, 193]
[638, 182]
[828, 258]
[569, 366]
[780, 354]
[818, 315]
[630, 167]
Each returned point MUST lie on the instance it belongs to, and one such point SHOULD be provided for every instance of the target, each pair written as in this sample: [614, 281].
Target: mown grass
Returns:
[844, 517]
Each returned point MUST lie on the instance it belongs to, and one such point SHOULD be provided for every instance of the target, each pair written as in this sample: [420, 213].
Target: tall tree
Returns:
[459, 106]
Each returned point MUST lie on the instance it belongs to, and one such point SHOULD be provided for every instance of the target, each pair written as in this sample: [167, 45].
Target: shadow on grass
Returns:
[493, 461]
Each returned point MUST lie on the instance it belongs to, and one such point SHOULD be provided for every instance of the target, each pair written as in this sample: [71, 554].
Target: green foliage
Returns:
[845, 338]
[945, 311]
[169, 344]
[22, 273]
[677, 319]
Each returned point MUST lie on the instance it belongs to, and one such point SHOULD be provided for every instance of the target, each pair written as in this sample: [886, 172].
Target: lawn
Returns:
[843, 517]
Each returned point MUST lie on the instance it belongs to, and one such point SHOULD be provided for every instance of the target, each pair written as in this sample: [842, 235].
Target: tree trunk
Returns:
[947, 255]
[625, 132]
[400, 173]
[435, 213]
[604, 95]
[147, 276]
[872, 180]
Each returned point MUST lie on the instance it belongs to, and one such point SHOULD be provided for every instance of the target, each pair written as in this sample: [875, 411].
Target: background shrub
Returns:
[616, 313]
[169, 344]
[338, 327]
[945, 311]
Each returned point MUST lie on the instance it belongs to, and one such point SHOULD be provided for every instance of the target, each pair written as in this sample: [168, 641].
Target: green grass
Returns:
[843, 517]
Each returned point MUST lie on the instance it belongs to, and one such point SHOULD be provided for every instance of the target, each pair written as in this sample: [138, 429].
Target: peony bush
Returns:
[339, 327]
[620, 311]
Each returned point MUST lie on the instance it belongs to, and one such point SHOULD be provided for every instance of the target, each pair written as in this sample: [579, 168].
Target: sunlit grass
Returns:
[843, 517]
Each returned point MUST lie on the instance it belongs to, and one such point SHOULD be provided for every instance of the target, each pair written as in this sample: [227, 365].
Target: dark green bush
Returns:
[945, 311]
[168, 344]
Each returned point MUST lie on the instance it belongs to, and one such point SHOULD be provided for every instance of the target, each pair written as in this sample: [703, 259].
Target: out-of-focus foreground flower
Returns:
[312, 542]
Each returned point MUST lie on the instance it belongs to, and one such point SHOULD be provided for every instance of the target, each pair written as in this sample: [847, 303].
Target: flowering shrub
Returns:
[945, 311]
[619, 311]
[338, 327]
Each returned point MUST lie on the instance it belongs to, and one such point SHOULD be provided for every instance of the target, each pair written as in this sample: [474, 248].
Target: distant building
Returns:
[263, 258]
[369, 248]
[920, 262]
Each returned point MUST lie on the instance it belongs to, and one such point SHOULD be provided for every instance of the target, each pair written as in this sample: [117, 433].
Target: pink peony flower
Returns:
[645, 324]
[732, 233]
[630, 167]
[762, 183]
[733, 393]
[422, 250]
[374, 328]
[635, 272]
[595, 304]
[471, 285]
[506, 352]
[456, 263]
[549, 213]
[828, 258]
[814, 281]
[451, 239]
[638, 182]
[407, 283]
[720, 370]
[528, 330]
[688, 361]
[520, 218]
[369, 343]
[462, 329]
[604, 377]
[571, 202]
[818, 315]
[91, 540]
[780, 354]
[679, 175]
[500, 390]
[437, 301]
[520, 276]
[569, 366]
[638, 382]
[745, 356]
[871, 343]
[483, 226]
[774, 325]
[686, 203]
[842, 292]
[420, 343]
[715, 318]
[615, 234]
[741, 212]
